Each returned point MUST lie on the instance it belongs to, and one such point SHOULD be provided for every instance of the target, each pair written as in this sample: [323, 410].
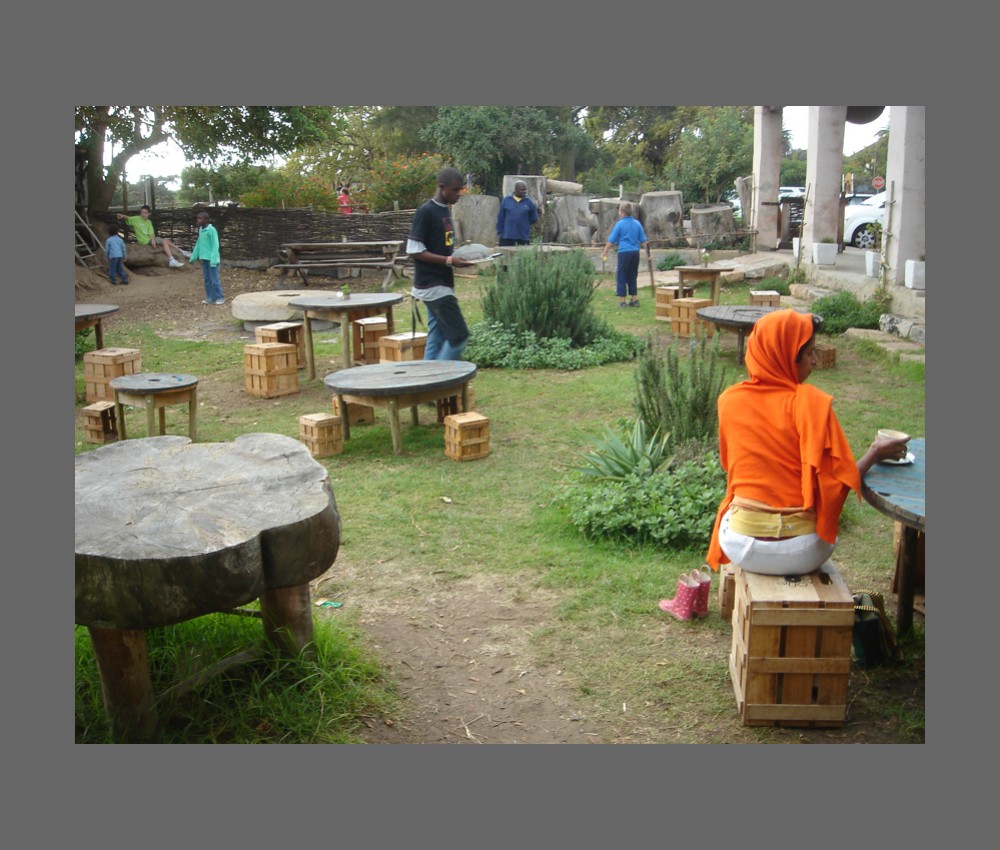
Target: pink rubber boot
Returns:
[704, 579]
[680, 605]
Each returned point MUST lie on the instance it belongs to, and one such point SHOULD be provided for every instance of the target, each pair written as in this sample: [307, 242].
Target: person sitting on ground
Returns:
[789, 466]
[145, 234]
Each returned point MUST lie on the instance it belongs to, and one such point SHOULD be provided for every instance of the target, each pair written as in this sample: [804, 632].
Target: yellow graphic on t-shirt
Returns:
[449, 238]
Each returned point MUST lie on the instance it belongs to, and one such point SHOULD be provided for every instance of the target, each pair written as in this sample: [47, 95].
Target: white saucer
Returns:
[910, 457]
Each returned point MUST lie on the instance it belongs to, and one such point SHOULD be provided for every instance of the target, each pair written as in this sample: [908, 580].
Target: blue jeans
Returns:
[116, 269]
[628, 273]
[213, 287]
[444, 315]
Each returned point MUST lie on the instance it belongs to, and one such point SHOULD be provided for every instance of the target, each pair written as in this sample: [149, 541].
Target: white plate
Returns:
[910, 457]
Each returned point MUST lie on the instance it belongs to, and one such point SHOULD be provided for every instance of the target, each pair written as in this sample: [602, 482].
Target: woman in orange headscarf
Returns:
[788, 463]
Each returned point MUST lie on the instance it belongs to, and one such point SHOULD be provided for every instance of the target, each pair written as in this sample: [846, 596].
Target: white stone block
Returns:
[824, 253]
[873, 260]
[914, 274]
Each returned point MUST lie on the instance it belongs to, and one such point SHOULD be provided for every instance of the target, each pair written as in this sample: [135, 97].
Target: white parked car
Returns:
[857, 217]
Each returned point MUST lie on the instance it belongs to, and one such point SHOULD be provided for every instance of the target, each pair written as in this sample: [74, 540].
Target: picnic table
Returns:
[91, 316]
[401, 384]
[332, 306]
[303, 257]
[897, 490]
[168, 530]
[713, 274]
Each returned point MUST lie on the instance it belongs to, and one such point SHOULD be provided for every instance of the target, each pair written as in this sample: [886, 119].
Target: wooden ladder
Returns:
[86, 253]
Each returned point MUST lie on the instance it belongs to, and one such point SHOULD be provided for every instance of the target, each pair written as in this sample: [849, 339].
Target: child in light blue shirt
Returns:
[114, 249]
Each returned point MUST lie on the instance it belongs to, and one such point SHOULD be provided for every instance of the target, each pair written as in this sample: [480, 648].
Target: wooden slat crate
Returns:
[665, 296]
[727, 591]
[791, 651]
[765, 298]
[826, 356]
[270, 369]
[100, 366]
[357, 414]
[684, 321]
[288, 332]
[322, 433]
[453, 404]
[466, 436]
[365, 336]
[100, 424]
[402, 346]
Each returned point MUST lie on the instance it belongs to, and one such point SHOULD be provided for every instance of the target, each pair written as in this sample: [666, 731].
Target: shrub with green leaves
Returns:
[619, 456]
[494, 345]
[549, 294]
[670, 262]
[672, 508]
[678, 395]
[842, 310]
[83, 342]
[778, 284]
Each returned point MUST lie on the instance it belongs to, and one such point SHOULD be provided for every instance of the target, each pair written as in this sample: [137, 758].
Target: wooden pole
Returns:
[649, 262]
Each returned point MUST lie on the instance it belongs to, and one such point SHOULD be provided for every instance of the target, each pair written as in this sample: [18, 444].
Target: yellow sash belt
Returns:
[759, 524]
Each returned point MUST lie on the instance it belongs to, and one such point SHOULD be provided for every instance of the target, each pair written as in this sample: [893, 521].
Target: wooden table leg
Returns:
[287, 618]
[465, 397]
[99, 335]
[740, 340]
[150, 416]
[163, 420]
[717, 289]
[390, 325]
[123, 661]
[414, 416]
[310, 358]
[397, 437]
[345, 332]
[907, 577]
[120, 410]
[344, 418]
[193, 414]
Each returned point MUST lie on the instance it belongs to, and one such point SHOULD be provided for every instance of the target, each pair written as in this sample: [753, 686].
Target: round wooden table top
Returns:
[897, 489]
[336, 303]
[389, 379]
[167, 529]
[735, 315]
[152, 382]
[95, 311]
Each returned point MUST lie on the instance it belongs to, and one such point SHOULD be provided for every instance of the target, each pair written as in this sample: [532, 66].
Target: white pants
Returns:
[789, 556]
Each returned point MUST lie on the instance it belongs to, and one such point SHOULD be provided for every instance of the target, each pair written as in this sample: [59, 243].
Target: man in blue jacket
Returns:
[517, 213]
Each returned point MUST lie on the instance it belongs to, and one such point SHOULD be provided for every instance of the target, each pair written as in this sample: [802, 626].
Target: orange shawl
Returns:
[780, 441]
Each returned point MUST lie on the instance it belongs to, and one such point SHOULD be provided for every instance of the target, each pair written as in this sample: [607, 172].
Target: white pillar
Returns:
[903, 220]
[766, 175]
[824, 167]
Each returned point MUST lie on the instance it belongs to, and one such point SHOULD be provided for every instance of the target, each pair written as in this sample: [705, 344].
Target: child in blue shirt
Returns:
[114, 249]
[629, 236]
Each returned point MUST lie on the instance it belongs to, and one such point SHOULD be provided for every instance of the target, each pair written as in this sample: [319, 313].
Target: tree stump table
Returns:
[168, 530]
[155, 391]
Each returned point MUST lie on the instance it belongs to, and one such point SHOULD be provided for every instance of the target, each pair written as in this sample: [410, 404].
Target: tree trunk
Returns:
[563, 187]
[476, 219]
[662, 216]
[145, 255]
[713, 223]
[572, 221]
[606, 210]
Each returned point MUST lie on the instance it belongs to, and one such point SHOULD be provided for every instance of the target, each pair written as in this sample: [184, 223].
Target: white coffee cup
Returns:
[890, 434]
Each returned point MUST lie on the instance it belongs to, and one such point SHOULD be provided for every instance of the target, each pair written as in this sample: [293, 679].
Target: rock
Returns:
[273, 306]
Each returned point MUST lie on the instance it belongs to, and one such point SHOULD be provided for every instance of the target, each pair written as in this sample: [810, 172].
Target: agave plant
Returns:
[616, 458]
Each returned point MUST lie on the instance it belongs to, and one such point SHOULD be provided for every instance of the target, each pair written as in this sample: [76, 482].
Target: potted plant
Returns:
[825, 252]
[914, 273]
[345, 291]
[873, 261]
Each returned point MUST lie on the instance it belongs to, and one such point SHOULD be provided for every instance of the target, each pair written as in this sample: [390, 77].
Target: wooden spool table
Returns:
[91, 316]
[897, 490]
[738, 316]
[713, 274]
[155, 391]
[335, 307]
[397, 385]
[168, 530]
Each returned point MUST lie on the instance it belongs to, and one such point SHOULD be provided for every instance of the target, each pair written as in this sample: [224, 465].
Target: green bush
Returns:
[673, 508]
[670, 262]
[680, 398]
[83, 342]
[550, 295]
[494, 345]
[778, 284]
[639, 453]
[842, 310]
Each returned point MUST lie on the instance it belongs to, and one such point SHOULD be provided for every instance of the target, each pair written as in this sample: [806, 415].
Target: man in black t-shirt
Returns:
[430, 245]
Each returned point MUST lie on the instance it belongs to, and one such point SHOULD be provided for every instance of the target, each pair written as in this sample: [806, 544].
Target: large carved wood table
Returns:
[168, 530]
[91, 316]
[334, 307]
[398, 385]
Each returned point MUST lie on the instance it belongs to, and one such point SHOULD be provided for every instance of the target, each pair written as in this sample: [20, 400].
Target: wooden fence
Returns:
[256, 234]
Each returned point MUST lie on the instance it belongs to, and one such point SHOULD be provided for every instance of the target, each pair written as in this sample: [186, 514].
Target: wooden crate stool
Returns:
[665, 296]
[826, 356]
[727, 591]
[684, 321]
[288, 332]
[765, 298]
[791, 651]
[270, 369]
[357, 414]
[453, 404]
[403, 346]
[466, 436]
[100, 425]
[365, 336]
[322, 433]
[100, 366]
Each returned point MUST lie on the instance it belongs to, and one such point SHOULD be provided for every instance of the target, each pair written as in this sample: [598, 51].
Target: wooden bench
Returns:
[303, 257]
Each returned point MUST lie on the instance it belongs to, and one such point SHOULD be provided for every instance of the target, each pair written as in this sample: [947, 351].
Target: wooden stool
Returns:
[791, 651]
[365, 336]
[322, 433]
[727, 591]
[287, 332]
[466, 436]
[155, 391]
[665, 296]
[401, 346]
[826, 356]
[765, 298]
[100, 366]
[453, 404]
[99, 422]
[684, 321]
[269, 369]
[357, 414]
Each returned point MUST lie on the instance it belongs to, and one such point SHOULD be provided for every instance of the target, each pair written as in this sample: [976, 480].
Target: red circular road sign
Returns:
[878, 182]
